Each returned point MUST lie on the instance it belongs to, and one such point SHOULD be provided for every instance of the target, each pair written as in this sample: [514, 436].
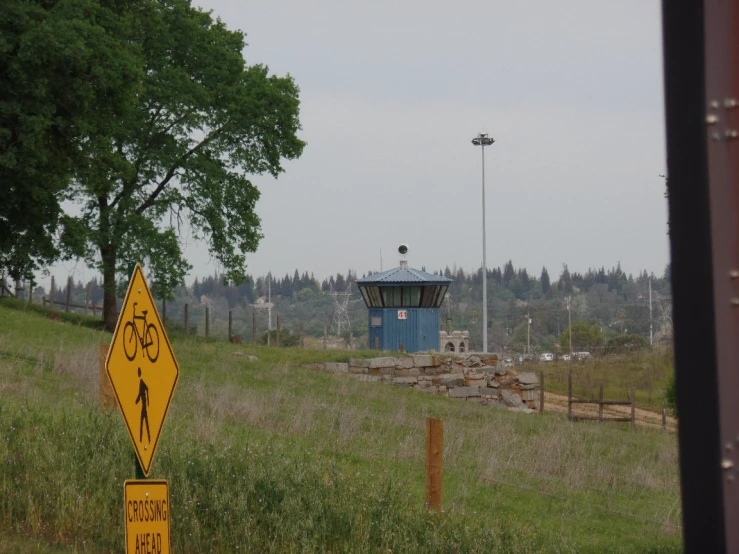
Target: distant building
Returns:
[403, 308]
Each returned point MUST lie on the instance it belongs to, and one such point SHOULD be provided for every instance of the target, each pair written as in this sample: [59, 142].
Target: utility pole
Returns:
[569, 320]
[651, 335]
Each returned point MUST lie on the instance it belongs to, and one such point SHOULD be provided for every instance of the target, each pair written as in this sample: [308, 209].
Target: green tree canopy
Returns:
[584, 336]
[65, 67]
[202, 120]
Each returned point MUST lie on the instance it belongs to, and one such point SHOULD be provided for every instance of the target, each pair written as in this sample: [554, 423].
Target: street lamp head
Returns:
[482, 139]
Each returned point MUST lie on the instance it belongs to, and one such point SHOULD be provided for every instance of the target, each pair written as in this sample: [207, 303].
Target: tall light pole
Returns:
[482, 139]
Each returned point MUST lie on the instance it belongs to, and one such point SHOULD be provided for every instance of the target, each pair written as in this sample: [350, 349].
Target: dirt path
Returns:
[644, 418]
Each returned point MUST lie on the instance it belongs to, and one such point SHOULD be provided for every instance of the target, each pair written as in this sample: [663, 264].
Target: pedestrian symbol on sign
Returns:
[143, 397]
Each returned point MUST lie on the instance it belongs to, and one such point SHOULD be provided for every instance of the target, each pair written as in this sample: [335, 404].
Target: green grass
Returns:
[267, 455]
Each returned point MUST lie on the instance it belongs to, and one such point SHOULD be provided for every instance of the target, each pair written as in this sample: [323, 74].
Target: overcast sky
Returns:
[392, 94]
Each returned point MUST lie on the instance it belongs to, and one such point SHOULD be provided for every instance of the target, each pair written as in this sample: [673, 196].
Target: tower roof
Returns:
[404, 275]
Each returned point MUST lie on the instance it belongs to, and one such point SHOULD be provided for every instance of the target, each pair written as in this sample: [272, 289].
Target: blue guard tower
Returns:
[404, 307]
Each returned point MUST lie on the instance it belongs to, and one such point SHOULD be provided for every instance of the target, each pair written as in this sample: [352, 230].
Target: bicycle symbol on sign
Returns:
[149, 340]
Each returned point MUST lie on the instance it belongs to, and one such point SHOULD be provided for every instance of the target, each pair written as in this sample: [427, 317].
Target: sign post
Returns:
[142, 368]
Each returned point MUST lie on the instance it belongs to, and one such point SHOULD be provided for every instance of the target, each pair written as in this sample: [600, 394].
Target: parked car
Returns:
[546, 357]
[565, 357]
[582, 356]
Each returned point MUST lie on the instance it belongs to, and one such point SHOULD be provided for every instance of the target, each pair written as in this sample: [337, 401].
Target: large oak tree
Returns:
[179, 159]
[65, 67]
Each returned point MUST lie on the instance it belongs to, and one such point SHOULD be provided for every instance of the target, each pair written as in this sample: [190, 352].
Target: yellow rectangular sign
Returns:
[147, 516]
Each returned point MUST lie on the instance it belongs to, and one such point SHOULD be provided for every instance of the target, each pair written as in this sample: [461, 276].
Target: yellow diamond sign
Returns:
[142, 369]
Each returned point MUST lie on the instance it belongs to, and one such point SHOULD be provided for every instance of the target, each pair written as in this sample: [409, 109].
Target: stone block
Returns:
[381, 362]
[528, 378]
[431, 389]
[336, 367]
[494, 384]
[405, 381]
[411, 372]
[492, 393]
[464, 392]
[511, 399]
[423, 360]
[404, 363]
[452, 381]
[442, 388]
[528, 387]
[477, 383]
[438, 370]
[358, 370]
[356, 362]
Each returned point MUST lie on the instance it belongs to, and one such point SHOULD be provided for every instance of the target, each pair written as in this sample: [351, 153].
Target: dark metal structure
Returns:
[701, 52]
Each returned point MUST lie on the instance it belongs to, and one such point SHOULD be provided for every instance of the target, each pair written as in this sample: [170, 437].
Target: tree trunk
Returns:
[110, 317]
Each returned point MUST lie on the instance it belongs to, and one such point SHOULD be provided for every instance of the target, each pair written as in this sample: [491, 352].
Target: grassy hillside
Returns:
[266, 455]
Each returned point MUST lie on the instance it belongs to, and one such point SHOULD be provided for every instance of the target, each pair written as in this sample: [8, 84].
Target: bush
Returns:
[286, 339]
[671, 394]
[624, 344]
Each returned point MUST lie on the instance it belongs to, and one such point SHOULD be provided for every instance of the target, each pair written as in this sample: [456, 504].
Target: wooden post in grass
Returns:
[600, 404]
[325, 337]
[107, 397]
[69, 293]
[434, 463]
[541, 392]
[87, 296]
[207, 322]
[664, 415]
[278, 331]
[633, 410]
[302, 337]
[186, 317]
[53, 291]
[569, 395]
[230, 324]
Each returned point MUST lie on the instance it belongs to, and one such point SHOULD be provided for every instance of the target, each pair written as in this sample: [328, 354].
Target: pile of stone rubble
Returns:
[469, 378]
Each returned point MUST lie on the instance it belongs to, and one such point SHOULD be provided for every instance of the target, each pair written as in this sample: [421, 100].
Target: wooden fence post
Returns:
[569, 395]
[302, 337]
[278, 331]
[87, 296]
[254, 326]
[664, 414]
[53, 291]
[325, 337]
[541, 392]
[69, 293]
[434, 463]
[633, 410]
[107, 397]
[187, 330]
[207, 322]
[230, 324]
[600, 404]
